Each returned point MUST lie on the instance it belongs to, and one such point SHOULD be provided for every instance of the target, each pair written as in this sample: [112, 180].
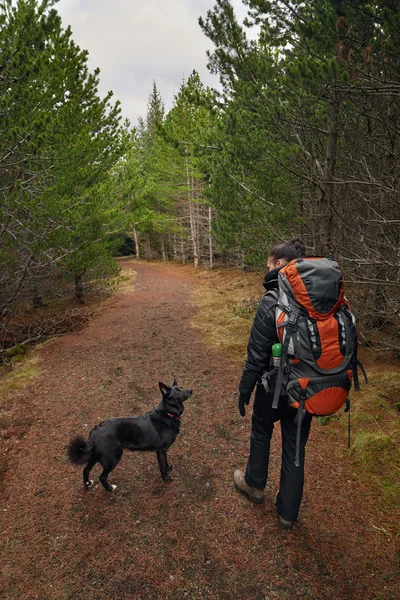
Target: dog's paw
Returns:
[88, 484]
[170, 467]
[167, 478]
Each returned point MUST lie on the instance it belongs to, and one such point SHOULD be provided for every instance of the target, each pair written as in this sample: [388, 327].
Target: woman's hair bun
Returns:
[298, 244]
[288, 251]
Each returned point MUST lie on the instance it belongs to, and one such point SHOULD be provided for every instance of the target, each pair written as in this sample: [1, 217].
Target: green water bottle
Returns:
[276, 354]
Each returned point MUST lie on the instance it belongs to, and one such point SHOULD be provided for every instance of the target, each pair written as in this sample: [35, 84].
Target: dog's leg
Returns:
[104, 482]
[109, 465]
[164, 466]
[86, 481]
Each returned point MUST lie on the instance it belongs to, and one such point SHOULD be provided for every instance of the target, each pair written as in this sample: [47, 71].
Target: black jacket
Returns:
[262, 337]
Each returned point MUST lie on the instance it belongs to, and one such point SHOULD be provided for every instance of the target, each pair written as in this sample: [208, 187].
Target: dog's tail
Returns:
[79, 450]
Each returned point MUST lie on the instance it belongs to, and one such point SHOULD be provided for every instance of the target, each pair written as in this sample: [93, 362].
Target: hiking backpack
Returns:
[319, 340]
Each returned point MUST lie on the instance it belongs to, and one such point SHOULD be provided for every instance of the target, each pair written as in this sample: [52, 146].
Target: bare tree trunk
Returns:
[182, 247]
[242, 258]
[210, 240]
[381, 308]
[164, 256]
[136, 240]
[192, 217]
[78, 289]
[325, 202]
[37, 300]
[148, 247]
[193, 234]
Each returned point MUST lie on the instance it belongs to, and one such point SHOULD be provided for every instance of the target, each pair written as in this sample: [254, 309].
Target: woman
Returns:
[263, 335]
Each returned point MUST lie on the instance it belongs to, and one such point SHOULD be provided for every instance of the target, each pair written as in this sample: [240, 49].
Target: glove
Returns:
[241, 402]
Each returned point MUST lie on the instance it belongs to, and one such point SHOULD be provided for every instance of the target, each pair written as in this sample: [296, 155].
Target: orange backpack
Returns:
[319, 339]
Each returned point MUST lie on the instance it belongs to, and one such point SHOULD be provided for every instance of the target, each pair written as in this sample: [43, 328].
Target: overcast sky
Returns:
[134, 42]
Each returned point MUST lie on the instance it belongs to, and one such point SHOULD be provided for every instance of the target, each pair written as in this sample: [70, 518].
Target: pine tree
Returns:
[254, 194]
[153, 219]
[321, 84]
[188, 128]
[58, 143]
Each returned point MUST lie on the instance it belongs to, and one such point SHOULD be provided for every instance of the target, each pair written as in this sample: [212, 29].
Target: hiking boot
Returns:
[253, 494]
[283, 523]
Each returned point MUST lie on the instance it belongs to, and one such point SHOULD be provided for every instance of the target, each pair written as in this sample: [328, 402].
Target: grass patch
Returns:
[23, 373]
[375, 449]
[372, 447]
[376, 454]
[126, 280]
[227, 302]
[14, 417]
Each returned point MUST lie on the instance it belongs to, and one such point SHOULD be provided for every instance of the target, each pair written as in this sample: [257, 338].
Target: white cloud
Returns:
[134, 42]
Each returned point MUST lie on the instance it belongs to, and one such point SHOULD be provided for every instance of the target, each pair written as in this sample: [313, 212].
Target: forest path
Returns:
[196, 537]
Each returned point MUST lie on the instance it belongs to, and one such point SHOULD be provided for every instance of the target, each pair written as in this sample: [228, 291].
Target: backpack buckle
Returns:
[303, 394]
[265, 379]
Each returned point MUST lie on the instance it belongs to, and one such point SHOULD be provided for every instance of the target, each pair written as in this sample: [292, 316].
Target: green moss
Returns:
[376, 454]
[392, 490]
[18, 350]
[21, 375]
[367, 444]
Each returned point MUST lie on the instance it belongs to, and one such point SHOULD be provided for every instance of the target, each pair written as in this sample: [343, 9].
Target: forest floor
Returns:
[195, 537]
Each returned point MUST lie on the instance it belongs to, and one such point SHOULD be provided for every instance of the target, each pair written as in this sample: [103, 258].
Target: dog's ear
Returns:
[175, 383]
[165, 390]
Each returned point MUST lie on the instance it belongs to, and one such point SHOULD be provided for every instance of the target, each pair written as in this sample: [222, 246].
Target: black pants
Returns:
[292, 477]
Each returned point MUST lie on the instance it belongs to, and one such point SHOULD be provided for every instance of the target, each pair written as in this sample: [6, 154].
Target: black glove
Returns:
[241, 402]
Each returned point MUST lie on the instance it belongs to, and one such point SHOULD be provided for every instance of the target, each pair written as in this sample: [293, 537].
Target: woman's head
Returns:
[281, 254]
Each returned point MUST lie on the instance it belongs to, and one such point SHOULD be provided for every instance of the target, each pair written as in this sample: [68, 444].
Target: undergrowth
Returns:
[227, 301]
[375, 449]
[14, 417]
[22, 373]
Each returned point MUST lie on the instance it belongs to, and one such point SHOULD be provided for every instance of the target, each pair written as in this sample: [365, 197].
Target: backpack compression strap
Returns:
[290, 327]
[301, 411]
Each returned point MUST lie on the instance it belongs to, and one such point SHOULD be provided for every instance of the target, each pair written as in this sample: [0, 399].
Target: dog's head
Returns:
[174, 397]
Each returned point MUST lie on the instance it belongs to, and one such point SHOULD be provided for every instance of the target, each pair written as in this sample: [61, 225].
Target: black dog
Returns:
[156, 431]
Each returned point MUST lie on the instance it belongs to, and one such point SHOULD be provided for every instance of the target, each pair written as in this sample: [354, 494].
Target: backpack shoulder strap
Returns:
[273, 293]
[356, 364]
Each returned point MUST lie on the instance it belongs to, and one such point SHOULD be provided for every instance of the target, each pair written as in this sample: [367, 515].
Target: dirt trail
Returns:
[196, 537]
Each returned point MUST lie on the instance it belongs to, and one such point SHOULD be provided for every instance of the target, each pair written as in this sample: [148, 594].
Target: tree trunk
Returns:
[37, 300]
[210, 240]
[183, 247]
[148, 247]
[325, 203]
[136, 240]
[164, 256]
[192, 217]
[79, 287]
[388, 232]
[242, 259]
